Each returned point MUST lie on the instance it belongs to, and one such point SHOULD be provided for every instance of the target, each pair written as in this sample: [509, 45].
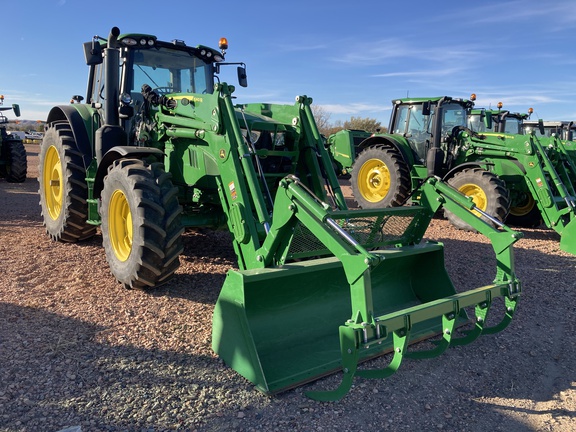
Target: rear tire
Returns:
[141, 228]
[63, 189]
[380, 178]
[14, 152]
[488, 192]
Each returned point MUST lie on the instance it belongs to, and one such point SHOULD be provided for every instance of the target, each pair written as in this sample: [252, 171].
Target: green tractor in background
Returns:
[386, 168]
[523, 179]
[13, 163]
[562, 129]
[159, 147]
[502, 121]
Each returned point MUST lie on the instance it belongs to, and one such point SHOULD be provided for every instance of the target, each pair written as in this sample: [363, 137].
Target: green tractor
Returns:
[159, 147]
[13, 164]
[523, 179]
[562, 129]
[561, 133]
[498, 121]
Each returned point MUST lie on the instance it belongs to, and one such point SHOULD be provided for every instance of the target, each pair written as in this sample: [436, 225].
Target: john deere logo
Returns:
[222, 154]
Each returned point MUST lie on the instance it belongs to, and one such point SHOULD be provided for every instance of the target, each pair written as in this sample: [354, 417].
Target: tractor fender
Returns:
[462, 166]
[399, 143]
[121, 152]
[80, 119]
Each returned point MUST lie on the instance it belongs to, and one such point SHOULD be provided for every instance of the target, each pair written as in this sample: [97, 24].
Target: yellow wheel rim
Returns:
[52, 182]
[374, 180]
[478, 196]
[523, 210]
[120, 225]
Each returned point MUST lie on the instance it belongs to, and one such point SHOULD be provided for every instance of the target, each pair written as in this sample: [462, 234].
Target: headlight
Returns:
[125, 98]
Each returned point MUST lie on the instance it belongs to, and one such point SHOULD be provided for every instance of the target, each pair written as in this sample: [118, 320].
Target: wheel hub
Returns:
[52, 182]
[477, 194]
[120, 225]
[374, 180]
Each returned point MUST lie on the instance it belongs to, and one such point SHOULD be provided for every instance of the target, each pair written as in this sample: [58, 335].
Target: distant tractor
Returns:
[13, 164]
[499, 120]
[522, 179]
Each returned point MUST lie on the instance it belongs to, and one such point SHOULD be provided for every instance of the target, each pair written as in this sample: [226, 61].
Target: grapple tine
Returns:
[448, 324]
[481, 312]
[510, 304]
[349, 346]
[401, 338]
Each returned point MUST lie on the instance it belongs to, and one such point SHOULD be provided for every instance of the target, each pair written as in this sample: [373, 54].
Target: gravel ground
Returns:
[76, 349]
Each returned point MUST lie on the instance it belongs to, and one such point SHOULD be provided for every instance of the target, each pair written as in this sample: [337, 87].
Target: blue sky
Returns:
[351, 57]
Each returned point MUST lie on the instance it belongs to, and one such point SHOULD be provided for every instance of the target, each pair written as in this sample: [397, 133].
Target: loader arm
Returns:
[548, 180]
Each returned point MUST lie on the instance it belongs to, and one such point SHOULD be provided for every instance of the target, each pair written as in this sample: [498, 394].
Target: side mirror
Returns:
[242, 78]
[16, 109]
[93, 53]
[541, 127]
[488, 120]
[426, 108]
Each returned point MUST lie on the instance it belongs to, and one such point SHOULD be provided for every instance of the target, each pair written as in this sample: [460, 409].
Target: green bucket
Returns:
[568, 237]
[279, 327]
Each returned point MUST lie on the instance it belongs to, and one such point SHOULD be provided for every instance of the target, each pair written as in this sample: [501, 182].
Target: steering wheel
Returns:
[163, 90]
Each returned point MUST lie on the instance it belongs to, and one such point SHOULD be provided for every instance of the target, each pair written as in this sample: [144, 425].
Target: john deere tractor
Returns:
[498, 120]
[13, 164]
[159, 146]
[524, 179]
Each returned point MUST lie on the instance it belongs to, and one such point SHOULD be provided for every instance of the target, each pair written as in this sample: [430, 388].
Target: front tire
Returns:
[488, 192]
[14, 152]
[141, 228]
[63, 189]
[380, 178]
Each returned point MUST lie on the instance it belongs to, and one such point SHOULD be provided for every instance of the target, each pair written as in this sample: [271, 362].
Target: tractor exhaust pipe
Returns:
[112, 75]
[111, 134]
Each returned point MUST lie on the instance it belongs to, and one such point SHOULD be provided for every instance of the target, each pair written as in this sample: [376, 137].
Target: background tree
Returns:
[364, 123]
[322, 118]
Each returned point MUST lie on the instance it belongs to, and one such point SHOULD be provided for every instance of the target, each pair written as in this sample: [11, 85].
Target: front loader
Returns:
[159, 147]
[13, 163]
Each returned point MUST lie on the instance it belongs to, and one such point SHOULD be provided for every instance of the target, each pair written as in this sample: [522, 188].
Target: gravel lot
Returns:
[76, 349]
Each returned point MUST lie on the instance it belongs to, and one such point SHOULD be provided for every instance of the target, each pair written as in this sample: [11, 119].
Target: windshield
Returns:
[170, 71]
[513, 126]
[476, 123]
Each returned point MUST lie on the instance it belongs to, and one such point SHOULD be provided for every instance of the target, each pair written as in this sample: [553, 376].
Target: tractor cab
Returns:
[427, 123]
[563, 129]
[497, 121]
[166, 67]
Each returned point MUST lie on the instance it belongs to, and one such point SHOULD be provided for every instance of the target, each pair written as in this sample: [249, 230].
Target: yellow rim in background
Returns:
[523, 210]
[120, 225]
[374, 180]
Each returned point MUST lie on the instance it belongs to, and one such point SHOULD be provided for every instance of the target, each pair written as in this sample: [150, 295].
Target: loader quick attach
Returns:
[159, 147]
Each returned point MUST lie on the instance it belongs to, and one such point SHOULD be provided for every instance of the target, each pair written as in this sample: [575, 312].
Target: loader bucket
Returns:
[279, 327]
[568, 237]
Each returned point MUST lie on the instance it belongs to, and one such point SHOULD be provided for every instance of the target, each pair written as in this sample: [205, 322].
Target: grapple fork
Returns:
[373, 279]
